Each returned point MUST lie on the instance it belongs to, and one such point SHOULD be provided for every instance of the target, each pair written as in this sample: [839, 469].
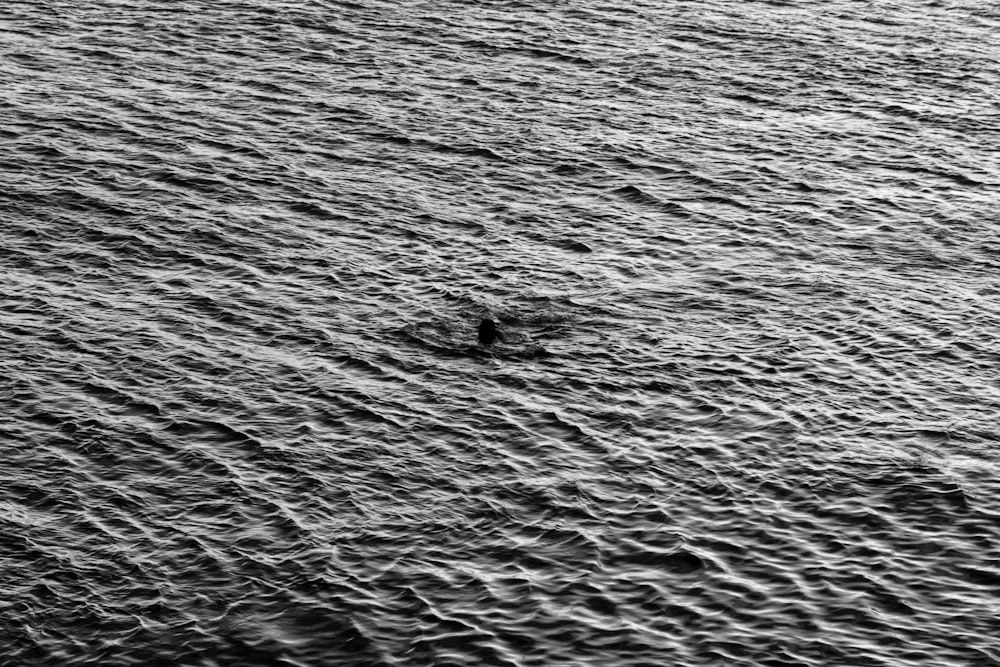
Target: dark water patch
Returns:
[547, 54]
[635, 195]
[459, 338]
[576, 246]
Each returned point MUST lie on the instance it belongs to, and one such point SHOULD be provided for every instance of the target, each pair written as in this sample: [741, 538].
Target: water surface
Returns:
[744, 256]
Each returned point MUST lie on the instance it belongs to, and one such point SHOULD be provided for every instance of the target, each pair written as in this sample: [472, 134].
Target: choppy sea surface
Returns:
[745, 261]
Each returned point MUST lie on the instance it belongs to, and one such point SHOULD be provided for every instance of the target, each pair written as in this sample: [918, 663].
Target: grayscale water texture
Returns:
[744, 257]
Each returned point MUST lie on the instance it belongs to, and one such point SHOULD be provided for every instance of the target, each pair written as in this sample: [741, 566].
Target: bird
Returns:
[487, 331]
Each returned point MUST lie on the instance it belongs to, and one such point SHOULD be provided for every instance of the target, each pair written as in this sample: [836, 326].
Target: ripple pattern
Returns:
[744, 261]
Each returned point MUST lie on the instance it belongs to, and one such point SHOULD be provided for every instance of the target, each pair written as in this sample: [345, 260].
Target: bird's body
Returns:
[487, 331]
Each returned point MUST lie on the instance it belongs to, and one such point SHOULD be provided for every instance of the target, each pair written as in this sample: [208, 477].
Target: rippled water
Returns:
[745, 260]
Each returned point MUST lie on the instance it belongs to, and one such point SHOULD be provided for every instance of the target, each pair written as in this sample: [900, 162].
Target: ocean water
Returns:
[744, 257]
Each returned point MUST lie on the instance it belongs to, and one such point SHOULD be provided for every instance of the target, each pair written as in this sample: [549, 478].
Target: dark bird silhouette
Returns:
[487, 331]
